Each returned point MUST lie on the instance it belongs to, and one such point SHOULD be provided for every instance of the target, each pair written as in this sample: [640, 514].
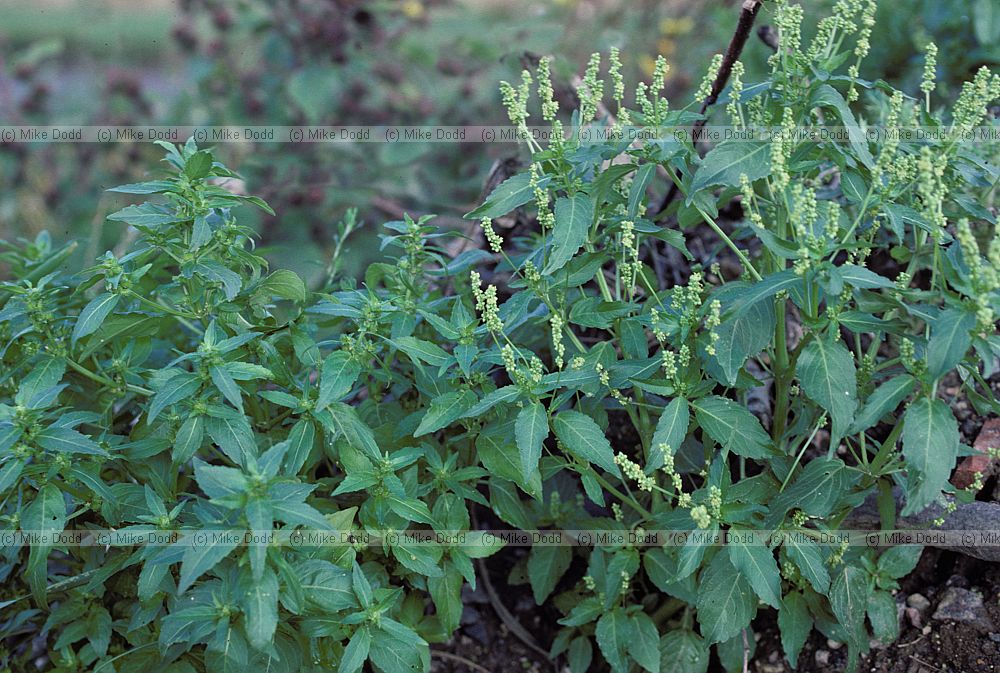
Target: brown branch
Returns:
[748, 14]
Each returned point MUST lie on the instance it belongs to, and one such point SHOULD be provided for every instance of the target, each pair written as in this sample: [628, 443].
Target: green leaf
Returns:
[747, 297]
[645, 646]
[583, 438]
[949, 342]
[398, 649]
[340, 372]
[285, 284]
[727, 162]
[828, 97]
[446, 592]
[422, 351]
[899, 561]
[47, 512]
[43, 377]
[260, 605]
[671, 430]
[580, 655]
[810, 561]
[178, 387]
[614, 636]
[190, 623]
[65, 440]
[743, 335]
[150, 187]
[145, 215]
[490, 400]
[849, 601]
[732, 426]
[756, 563]
[327, 586]
[356, 651]
[795, 624]
[445, 410]
[637, 191]
[198, 165]
[509, 194]
[410, 509]
[930, 447]
[546, 566]
[300, 444]
[882, 614]
[573, 217]
[188, 440]
[199, 559]
[726, 602]
[860, 277]
[885, 399]
[234, 436]
[227, 386]
[530, 431]
[93, 314]
[219, 481]
[683, 651]
[828, 377]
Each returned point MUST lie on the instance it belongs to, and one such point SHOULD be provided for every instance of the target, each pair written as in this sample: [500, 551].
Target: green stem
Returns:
[103, 380]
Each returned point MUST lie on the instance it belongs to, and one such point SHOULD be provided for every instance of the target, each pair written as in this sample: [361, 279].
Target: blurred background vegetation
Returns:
[343, 62]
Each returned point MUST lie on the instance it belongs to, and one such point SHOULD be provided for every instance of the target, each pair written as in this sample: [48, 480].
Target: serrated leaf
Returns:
[883, 616]
[198, 165]
[899, 561]
[65, 440]
[188, 439]
[756, 563]
[260, 605]
[340, 372]
[743, 335]
[732, 426]
[671, 429]
[300, 444]
[199, 559]
[573, 217]
[849, 601]
[828, 377]
[530, 431]
[227, 386]
[726, 602]
[930, 447]
[613, 634]
[795, 624]
[285, 284]
[546, 566]
[727, 162]
[356, 651]
[513, 192]
[93, 314]
[583, 438]
[884, 400]
[949, 342]
[178, 387]
[445, 410]
[683, 651]
[645, 647]
[234, 437]
[810, 561]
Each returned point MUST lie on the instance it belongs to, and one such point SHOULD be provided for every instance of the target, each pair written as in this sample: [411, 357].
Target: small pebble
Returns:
[822, 657]
[918, 601]
[833, 644]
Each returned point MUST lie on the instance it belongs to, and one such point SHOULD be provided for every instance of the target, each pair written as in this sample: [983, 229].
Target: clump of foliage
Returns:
[181, 387]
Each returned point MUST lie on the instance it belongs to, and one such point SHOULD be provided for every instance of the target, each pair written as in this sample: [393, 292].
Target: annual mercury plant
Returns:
[552, 380]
